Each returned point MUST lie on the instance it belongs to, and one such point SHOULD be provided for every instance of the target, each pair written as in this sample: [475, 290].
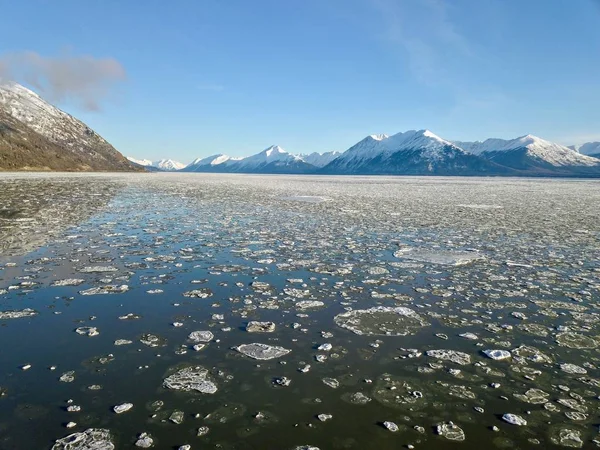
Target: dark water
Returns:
[355, 243]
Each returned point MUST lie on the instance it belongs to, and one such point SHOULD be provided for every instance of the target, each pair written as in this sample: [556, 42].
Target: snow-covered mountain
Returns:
[271, 160]
[319, 159]
[410, 153]
[214, 163]
[416, 153]
[589, 148]
[534, 155]
[167, 165]
[37, 135]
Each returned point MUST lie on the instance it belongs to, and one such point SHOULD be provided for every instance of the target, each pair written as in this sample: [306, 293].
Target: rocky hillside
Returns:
[35, 135]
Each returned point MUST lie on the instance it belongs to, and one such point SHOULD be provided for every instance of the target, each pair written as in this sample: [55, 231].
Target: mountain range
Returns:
[35, 135]
[419, 153]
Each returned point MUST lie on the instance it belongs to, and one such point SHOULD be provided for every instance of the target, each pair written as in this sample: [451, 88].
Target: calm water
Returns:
[515, 263]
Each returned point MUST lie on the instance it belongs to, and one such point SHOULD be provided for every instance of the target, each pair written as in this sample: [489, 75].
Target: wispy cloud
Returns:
[84, 79]
[211, 87]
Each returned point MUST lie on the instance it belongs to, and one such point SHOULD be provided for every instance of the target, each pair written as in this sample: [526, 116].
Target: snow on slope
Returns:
[270, 155]
[168, 164]
[319, 159]
[162, 164]
[141, 162]
[82, 148]
[47, 120]
[219, 161]
[589, 148]
[383, 146]
[549, 152]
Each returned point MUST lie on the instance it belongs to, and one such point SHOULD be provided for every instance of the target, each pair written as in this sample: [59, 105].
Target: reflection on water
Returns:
[35, 210]
[226, 311]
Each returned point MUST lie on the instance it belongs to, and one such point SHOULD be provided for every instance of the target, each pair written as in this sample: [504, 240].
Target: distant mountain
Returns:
[35, 135]
[167, 165]
[534, 156]
[589, 148]
[319, 159]
[271, 160]
[410, 153]
[214, 163]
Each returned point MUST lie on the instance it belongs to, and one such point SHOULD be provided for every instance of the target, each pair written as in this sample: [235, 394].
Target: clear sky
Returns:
[235, 76]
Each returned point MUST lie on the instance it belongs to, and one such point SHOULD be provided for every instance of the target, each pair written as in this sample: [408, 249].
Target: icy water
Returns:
[428, 312]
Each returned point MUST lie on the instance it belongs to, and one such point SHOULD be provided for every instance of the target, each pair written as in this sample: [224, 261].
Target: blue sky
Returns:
[235, 76]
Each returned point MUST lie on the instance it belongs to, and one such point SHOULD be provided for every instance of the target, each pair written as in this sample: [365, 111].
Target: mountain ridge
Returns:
[35, 135]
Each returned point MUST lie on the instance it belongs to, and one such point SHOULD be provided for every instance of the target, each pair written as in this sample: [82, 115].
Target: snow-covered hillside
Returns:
[83, 148]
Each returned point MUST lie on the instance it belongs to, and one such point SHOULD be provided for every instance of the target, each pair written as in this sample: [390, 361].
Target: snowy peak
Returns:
[162, 164]
[273, 151]
[273, 154]
[168, 164]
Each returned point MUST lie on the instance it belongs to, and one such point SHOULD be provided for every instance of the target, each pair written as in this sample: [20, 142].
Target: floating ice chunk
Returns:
[191, 379]
[573, 369]
[325, 347]
[470, 336]
[123, 342]
[567, 437]
[177, 417]
[514, 419]
[87, 331]
[68, 377]
[108, 289]
[391, 426]
[262, 351]
[446, 258]
[575, 340]
[324, 417]
[68, 282]
[282, 381]
[200, 336]
[90, 439]
[154, 291]
[331, 382]
[98, 269]
[498, 355]
[198, 293]
[123, 407]
[381, 321]
[450, 431]
[296, 293]
[27, 312]
[534, 396]
[152, 340]
[260, 327]
[308, 304]
[144, 441]
[450, 355]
